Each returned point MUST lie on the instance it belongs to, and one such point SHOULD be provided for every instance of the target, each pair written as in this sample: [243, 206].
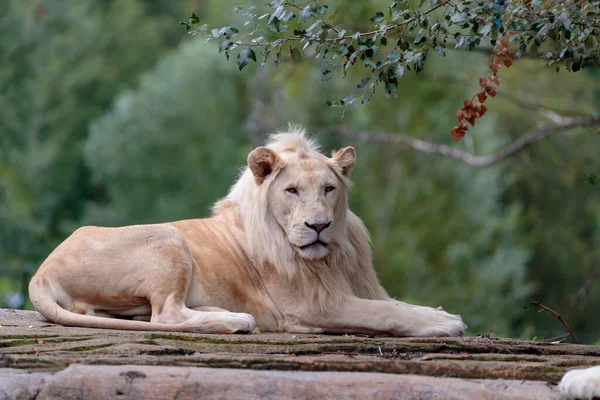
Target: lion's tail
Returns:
[45, 303]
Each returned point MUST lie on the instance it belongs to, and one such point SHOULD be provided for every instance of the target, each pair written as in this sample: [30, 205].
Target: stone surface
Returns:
[147, 382]
[33, 350]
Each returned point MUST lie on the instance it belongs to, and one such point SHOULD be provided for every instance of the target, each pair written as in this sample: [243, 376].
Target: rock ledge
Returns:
[38, 358]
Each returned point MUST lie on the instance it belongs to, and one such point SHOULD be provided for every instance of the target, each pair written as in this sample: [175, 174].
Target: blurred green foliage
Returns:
[109, 115]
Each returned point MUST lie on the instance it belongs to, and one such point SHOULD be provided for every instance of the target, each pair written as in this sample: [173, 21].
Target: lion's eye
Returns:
[329, 189]
[292, 190]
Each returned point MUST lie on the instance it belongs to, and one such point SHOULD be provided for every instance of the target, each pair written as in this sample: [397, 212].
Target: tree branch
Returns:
[557, 315]
[425, 146]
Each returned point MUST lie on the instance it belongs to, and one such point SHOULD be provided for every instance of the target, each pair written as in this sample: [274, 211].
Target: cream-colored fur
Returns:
[581, 383]
[281, 251]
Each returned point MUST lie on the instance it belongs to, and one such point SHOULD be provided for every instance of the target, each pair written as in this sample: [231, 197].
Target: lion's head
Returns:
[293, 202]
[307, 192]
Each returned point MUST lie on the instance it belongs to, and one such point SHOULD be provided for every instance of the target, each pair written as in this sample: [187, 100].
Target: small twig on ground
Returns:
[559, 337]
[557, 315]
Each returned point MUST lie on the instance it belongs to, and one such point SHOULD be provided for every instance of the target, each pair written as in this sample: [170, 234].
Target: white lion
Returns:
[282, 249]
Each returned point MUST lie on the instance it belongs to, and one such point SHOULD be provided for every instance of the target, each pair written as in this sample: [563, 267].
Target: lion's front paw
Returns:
[435, 322]
[243, 323]
[220, 322]
[239, 323]
[581, 383]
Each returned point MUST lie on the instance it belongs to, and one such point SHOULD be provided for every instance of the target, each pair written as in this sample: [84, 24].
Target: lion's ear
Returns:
[262, 162]
[345, 158]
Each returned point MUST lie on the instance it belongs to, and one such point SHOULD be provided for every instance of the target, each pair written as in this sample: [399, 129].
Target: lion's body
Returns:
[290, 260]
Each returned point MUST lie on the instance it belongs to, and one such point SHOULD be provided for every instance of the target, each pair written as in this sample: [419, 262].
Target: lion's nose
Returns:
[318, 227]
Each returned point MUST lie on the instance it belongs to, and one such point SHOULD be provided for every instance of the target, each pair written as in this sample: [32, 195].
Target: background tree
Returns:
[142, 182]
[61, 64]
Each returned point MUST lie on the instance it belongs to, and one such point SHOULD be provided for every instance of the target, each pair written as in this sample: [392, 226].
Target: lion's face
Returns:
[307, 196]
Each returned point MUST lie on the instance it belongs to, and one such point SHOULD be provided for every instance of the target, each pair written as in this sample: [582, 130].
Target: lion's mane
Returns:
[325, 280]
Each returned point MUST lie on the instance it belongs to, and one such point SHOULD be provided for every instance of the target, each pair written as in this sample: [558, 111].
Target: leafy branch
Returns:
[401, 38]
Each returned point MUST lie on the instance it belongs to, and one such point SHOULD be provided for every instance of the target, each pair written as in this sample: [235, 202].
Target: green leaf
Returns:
[378, 16]
[458, 17]
[326, 75]
[590, 43]
[185, 25]
[229, 31]
[286, 16]
[396, 14]
[224, 45]
[245, 55]
[400, 71]
[383, 41]
[420, 38]
[328, 103]
[194, 18]
[462, 42]
[321, 9]
[265, 55]
[593, 179]
[274, 25]
[419, 66]
[363, 82]
[394, 56]
[307, 12]
[296, 54]
[403, 45]
[351, 61]
[323, 33]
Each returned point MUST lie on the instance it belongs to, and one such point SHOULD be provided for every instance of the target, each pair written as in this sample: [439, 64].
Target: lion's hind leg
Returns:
[173, 270]
[208, 321]
[200, 319]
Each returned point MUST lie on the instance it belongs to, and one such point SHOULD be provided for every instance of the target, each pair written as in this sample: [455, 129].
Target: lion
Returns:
[281, 251]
